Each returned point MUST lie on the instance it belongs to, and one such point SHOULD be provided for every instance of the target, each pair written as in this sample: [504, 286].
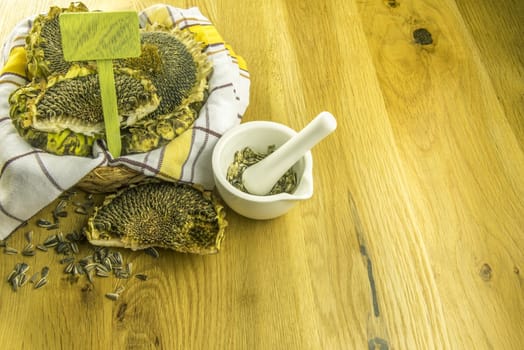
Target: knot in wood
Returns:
[422, 36]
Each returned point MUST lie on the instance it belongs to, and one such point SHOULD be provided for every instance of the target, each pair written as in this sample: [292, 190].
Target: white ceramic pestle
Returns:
[260, 178]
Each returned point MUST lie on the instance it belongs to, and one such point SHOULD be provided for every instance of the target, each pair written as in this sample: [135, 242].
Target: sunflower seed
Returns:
[63, 248]
[78, 269]
[11, 275]
[60, 209]
[112, 296]
[66, 195]
[85, 260]
[101, 273]
[107, 263]
[60, 237]
[43, 223]
[34, 277]
[101, 254]
[41, 247]
[102, 267]
[60, 214]
[21, 268]
[141, 276]
[45, 271]
[69, 267]
[89, 276]
[119, 290]
[74, 236]
[14, 282]
[41, 283]
[152, 252]
[47, 224]
[22, 280]
[90, 267]
[29, 236]
[115, 258]
[10, 251]
[51, 241]
[29, 250]
[67, 260]
[74, 247]
[122, 274]
[81, 211]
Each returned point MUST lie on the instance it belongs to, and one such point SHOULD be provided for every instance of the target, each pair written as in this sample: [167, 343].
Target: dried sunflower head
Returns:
[173, 60]
[71, 104]
[181, 217]
[44, 45]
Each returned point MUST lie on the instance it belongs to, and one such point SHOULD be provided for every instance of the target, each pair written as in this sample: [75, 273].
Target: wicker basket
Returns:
[107, 179]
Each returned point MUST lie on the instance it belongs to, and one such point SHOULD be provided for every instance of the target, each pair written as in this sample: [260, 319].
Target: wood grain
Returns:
[414, 238]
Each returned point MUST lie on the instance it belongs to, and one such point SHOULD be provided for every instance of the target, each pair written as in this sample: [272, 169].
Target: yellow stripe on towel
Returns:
[176, 154]
[240, 60]
[159, 15]
[17, 62]
[208, 34]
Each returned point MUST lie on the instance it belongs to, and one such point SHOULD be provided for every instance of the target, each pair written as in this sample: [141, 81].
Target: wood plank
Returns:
[465, 177]
[496, 29]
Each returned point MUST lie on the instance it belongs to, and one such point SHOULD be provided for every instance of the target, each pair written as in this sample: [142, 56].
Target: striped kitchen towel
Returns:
[30, 178]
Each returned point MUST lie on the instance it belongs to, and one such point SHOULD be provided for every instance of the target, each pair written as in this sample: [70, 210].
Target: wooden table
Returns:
[414, 238]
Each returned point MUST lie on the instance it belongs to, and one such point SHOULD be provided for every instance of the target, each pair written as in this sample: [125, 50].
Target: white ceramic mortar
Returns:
[259, 135]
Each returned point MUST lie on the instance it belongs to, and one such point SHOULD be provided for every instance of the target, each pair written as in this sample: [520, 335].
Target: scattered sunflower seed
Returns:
[41, 247]
[141, 276]
[74, 236]
[67, 260]
[10, 251]
[63, 248]
[29, 250]
[74, 247]
[51, 241]
[34, 278]
[11, 275]
[60, 237]
[22, 268]
[101, 273]
[43, 223]
[69, 267]
[120, 289]
[112, 296]
[152, 252]
[41, 283]
[47, 224]
[22, 280]
[14, 282]
[81, 211]
[45, 272]
[29, 236]
[89, 276]
[59, 211]
[66, 195]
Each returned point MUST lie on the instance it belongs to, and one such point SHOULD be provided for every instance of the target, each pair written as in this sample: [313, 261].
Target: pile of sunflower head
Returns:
[159, 93]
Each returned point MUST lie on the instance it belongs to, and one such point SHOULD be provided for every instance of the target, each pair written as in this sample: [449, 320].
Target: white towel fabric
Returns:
[30, 178]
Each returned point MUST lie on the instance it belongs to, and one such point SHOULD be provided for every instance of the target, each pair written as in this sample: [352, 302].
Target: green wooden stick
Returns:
[102, 36]
[109, 106]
